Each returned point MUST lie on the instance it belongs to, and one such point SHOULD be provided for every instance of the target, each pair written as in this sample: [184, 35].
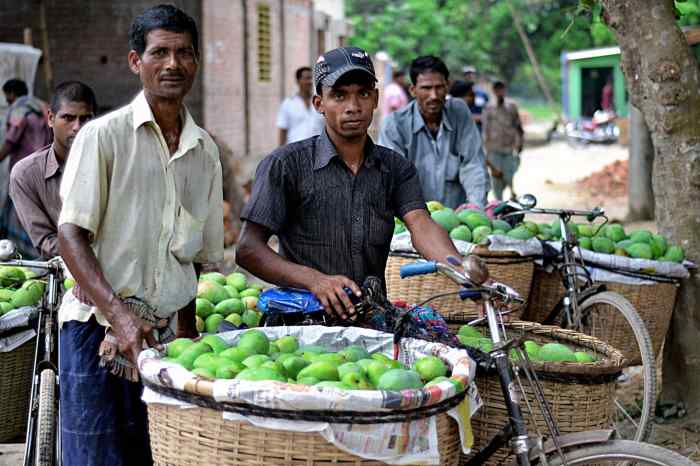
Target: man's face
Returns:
[168, 65]
[305, 83]
[10, 97]
[67, 122]
[470, 76]
[348, 108]
[430, 92]
[500, 93]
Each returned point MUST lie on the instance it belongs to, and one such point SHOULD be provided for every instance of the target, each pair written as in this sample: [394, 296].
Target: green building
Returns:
[585, 72]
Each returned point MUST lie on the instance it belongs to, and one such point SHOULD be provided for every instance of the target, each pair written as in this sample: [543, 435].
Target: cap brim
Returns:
[331, 79]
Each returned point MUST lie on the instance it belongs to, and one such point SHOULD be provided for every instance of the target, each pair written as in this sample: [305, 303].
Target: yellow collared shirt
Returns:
[151, 215]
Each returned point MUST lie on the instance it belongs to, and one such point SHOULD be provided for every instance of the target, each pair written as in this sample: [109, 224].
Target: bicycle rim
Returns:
[611, 318]
[617, 452]
[46, 420]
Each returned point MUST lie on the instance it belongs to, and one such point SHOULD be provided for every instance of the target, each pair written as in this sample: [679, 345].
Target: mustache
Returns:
[172, 75]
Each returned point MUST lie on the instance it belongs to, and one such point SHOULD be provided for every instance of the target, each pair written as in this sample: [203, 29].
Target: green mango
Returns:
[641, 236]
[446, 218]
[461, 233]
[215, 277]
[640, 251]
[585, 243]
[399, 379]
[203, 308]
[659, 246]
[480, 233]
[6, 294]
[603, 245]
[614, 232]
[521, 233]
[675, 254]
[502, 225]
[322, 370]
[473, 219]
[177, 346]
[191, 353]
[229, 306]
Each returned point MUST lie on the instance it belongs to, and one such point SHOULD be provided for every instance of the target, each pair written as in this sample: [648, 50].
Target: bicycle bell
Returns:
[476, 270]
[528, 201]
[8, 250]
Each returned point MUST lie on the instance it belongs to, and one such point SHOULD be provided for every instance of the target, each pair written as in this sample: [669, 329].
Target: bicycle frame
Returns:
[46, 349]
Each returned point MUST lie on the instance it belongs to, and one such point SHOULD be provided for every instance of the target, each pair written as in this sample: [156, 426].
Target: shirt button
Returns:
[357, 219]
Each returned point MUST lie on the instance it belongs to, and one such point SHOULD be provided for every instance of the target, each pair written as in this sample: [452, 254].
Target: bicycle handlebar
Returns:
[469, 290]
[515, 208]
[51, 264]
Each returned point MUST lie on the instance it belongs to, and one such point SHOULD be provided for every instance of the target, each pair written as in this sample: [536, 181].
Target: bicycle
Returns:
[43, 438]
[589, 308]
[592, 447]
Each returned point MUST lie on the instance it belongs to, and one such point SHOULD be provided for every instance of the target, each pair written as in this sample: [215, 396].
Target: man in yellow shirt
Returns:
[142, 210]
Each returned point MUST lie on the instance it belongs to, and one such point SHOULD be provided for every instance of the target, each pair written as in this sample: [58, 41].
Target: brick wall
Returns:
[88, 41]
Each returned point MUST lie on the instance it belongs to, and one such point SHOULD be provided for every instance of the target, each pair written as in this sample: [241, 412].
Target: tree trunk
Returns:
[641, 165]
[664, 83]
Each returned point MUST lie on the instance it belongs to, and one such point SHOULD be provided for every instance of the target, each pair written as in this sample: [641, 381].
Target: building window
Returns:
[264, 43]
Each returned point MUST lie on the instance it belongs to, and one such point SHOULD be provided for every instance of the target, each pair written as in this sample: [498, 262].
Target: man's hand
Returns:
[496, 173]
[130, 331]
[329, 290]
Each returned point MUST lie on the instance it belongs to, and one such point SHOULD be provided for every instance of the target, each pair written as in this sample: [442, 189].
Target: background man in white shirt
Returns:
[297, 119]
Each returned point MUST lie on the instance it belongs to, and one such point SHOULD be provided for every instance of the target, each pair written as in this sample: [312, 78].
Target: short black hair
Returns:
[73, 91]
[16, 87]
[351, 77]
[461, 88]
[428, 63]
[301, 70]
[167, 17]
[398, 72]
[499, 85]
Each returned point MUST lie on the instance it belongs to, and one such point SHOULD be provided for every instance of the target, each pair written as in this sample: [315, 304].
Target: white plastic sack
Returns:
[393, 443]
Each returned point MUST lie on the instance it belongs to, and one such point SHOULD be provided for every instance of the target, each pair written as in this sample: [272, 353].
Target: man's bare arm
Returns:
[254, 255]
[430, 239]
[74, 245]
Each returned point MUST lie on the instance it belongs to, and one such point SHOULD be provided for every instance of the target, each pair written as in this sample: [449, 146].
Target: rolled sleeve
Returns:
[84, 186]
[473, 174]
[282, 116]
[408, 195]
[213, 234]
[389, 136]
[32, 215]
[268, 203]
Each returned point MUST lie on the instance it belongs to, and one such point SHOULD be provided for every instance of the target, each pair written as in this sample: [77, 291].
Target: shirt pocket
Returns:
[188, 236]
[452, 167]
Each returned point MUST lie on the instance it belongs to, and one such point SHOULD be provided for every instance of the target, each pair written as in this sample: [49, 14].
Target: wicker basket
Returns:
[506, 267]
[580, 396]
[200, 436]
[654, 303]
[15, 386]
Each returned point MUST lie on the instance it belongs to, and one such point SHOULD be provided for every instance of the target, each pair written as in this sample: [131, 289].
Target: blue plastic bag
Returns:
[288, 300]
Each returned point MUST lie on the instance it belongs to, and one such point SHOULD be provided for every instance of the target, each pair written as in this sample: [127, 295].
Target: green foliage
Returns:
[481, 33]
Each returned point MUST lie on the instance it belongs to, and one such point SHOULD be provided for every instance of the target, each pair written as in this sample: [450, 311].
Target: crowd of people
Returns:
[133, 201]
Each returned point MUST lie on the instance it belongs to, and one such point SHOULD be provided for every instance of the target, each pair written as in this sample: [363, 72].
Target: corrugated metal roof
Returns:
[592, 53]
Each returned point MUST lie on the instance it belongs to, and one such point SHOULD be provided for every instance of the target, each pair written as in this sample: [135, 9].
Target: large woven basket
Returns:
[200, 436]
[654, 304]
[580, 396]
[506, 267]
[15, 386]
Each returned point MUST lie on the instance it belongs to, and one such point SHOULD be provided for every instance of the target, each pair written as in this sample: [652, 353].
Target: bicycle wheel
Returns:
[611, 318]
[619, 451]
[46, 420]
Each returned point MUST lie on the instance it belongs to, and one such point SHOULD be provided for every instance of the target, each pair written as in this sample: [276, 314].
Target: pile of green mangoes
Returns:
[466, 225]
[474, 226]
[256, 358]
[549, 352]
[19, 288]
[221, 297]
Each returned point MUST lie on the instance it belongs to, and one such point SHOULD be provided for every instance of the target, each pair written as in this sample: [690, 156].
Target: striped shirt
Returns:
[327, 218]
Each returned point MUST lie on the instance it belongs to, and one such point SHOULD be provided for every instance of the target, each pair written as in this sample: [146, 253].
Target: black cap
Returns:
[333, 64]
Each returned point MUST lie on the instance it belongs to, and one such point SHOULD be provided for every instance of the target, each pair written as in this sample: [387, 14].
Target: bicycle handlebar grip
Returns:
[469, 294]
[418, 268]
[595, 213]
[500, 208]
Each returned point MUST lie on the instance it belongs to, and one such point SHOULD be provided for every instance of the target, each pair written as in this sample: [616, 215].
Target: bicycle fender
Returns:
[583, 296]
[575, 439]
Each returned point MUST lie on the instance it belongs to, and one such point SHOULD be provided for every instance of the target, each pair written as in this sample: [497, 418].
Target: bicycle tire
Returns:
[616, 452]
[46, 420]
[605, 302]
